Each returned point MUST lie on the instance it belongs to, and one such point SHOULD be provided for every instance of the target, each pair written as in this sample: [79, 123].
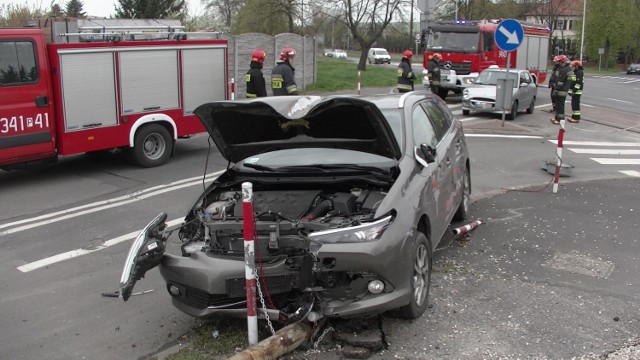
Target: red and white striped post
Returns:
[467, 228]
[233, 88]
[359, 79]
[250, 261]
[556, 177]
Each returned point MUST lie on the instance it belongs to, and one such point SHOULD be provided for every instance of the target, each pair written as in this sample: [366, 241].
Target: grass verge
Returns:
[339, 74]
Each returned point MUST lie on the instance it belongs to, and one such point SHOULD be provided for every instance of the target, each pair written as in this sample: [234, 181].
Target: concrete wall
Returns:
[241, 47]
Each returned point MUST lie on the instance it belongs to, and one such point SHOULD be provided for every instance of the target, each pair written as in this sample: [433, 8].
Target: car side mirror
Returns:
[425, 154]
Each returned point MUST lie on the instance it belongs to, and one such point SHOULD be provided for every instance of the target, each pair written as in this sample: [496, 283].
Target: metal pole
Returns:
[506, 82]
[584, 20]
[249, 261]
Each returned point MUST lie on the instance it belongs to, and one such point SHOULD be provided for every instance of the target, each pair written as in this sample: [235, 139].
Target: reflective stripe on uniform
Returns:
[277, 81]
[252, 95]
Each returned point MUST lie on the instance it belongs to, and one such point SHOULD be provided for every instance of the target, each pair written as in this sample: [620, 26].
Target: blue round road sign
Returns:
[509, 35]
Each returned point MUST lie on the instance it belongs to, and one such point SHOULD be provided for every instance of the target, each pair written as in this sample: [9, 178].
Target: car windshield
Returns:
[381, 52]
[454, 41]
[491, 77]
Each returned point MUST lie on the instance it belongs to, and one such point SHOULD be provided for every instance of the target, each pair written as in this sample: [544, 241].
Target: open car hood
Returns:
[244, 128]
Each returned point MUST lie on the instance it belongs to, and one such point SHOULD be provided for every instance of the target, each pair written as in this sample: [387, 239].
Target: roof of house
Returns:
[559, 8]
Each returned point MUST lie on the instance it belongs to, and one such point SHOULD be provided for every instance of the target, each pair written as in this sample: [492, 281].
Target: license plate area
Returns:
[276, 284]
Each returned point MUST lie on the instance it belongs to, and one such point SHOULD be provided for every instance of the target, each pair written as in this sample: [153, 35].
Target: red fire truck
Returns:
[468, 47]
[139, 95]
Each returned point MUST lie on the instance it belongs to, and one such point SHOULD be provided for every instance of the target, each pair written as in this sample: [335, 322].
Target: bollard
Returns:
[359, 79]
[467, 228]
[283, 341]
[249, 261]
[233, 88]
[556, 177]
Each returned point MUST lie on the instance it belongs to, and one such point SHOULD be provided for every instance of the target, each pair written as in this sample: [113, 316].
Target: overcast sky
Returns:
[96, 7]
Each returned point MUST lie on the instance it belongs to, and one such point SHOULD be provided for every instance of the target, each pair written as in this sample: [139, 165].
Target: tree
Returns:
[267, 16]
[56, 11]
[367, 20]
[18, 15]
[611, 25]
[150, 9]
[226, 10]
[74, 9]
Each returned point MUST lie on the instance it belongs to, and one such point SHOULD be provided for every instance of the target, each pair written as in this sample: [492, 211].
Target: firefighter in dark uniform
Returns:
[256, 86]
[405, 73]
[561, 87]
[283, 74]
[433, 71]
[575, 90]
[552, 81]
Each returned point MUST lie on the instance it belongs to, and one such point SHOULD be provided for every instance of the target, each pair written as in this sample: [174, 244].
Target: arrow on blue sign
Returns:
[509, 34]
[512, 36]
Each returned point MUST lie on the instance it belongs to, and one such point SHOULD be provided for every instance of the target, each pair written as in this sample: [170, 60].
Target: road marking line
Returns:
[597, 143]
[613, 161]
[504, 136]
[622, 101]
[102, 205]
[79, 252]
[605, 151]
[631, 173]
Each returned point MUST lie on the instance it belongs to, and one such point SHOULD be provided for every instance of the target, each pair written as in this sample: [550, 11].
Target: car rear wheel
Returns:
[514, 111]
[531, 106]
[420, 281]
[152, 146]
[463, 209]
[466, 112]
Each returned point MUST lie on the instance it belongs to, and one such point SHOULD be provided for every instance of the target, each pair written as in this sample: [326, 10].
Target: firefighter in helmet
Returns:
[283, 74]
[256, 86]
[552, 81]
[561, 87]
[433, 71]
[405, 73]
[575, 90]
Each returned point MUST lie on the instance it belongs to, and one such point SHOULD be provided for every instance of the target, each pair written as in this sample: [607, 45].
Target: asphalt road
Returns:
[65, 230]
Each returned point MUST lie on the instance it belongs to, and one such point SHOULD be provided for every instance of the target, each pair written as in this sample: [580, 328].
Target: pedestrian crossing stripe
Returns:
[606, 151]
[597, 143]
[631, 173]
[616, 161]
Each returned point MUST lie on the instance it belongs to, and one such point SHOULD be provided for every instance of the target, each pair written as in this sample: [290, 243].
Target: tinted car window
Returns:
[438, 119]
[17, 62]
[423, 131]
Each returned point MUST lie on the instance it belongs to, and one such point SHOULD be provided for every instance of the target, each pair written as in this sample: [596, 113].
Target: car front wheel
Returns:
[463, 209]
[420, 281]
[514, 111]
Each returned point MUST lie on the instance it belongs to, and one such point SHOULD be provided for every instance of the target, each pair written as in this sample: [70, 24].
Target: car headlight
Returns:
[468, 80]
[354, 234]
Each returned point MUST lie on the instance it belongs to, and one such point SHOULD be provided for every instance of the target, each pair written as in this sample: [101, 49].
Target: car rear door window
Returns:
[17, 63]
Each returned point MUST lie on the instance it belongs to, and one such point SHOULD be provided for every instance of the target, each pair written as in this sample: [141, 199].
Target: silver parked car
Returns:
[351, 197]
[481, 95]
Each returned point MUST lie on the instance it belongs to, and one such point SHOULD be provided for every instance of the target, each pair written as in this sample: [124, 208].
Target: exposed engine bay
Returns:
[284, 219]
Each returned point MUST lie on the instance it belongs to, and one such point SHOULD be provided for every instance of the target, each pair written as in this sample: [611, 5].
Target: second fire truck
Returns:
[468, 47]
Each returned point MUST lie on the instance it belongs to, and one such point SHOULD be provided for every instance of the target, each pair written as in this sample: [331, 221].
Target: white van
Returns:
[378, 56]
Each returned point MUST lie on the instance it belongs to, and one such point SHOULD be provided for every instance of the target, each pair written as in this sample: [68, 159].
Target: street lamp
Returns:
[584, 20]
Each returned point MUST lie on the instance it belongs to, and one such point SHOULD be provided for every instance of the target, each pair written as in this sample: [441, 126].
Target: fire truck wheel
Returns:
[466, 112]
[152, 147]
[514, 111]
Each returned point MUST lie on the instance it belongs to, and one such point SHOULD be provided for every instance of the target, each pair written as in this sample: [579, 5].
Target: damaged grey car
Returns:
[351, 195]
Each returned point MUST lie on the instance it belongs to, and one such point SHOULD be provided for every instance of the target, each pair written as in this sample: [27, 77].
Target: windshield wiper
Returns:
[258, 167]
[327, 167]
